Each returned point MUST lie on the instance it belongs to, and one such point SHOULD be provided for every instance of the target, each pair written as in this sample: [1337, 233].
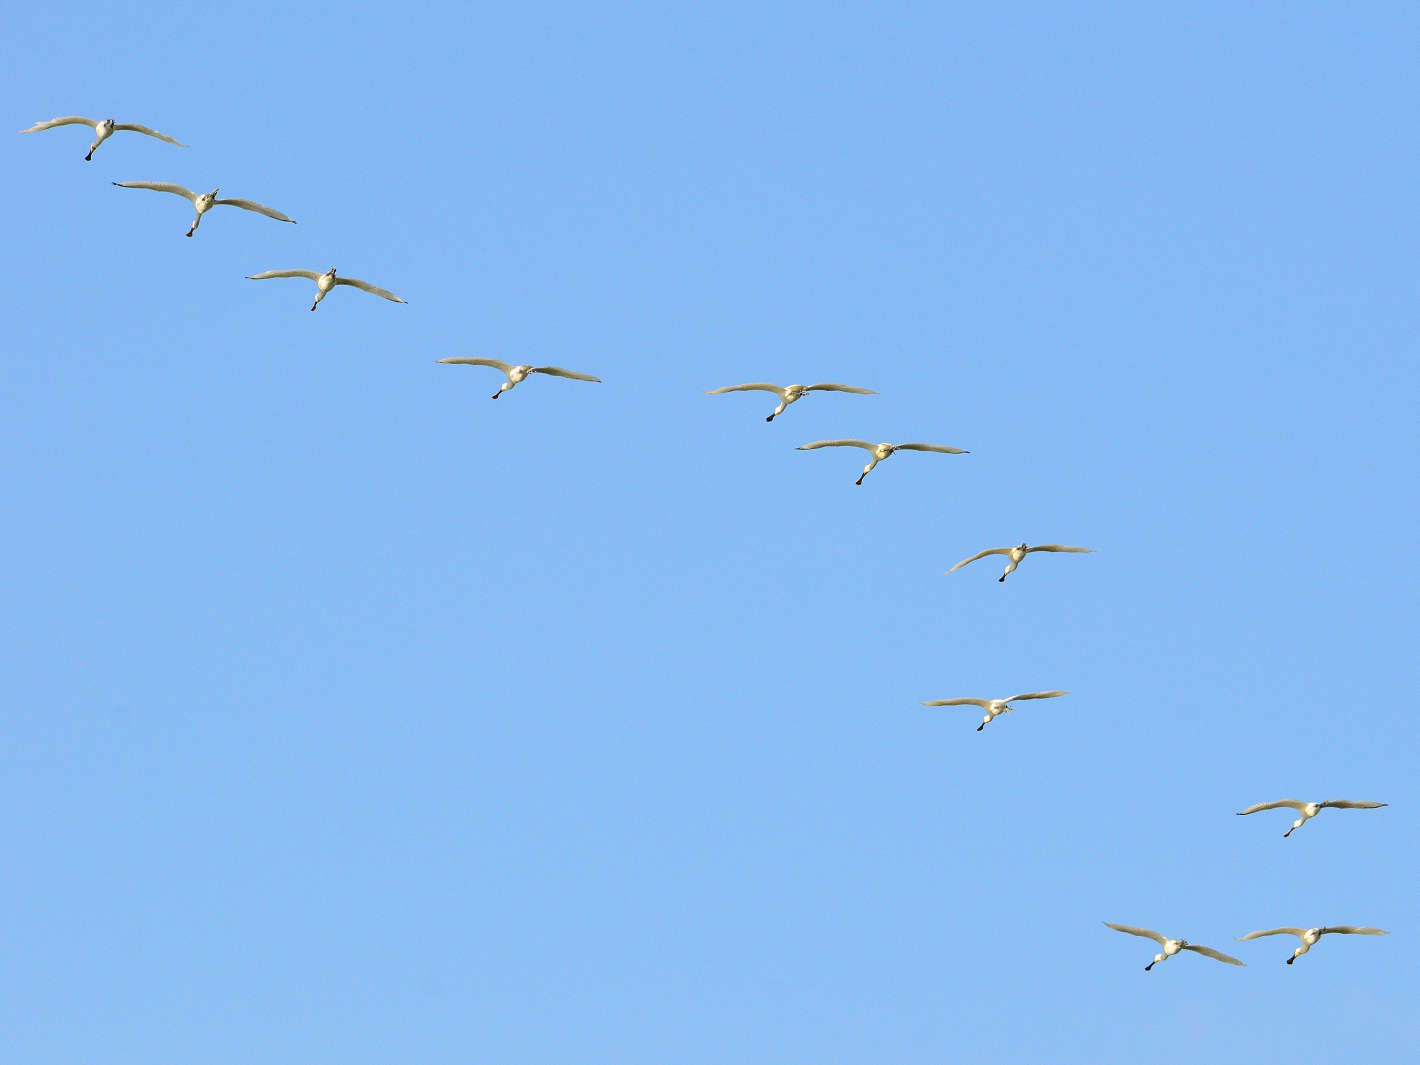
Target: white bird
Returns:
[994, 707]
[1309, 936]
[792, 394]
[1173, 946]
[327, 281]
[205, 202]
[1017, 553]
[1308, 810]
[518, 374]
[104, 130]
[882, 451]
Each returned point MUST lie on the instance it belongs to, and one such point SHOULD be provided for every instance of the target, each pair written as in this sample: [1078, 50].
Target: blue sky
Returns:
[352, 717]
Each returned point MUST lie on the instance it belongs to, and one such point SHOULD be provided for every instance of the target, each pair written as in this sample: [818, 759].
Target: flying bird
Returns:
[1308, 810]
[103, 130]
[792, 394]
[1017, 553]
[205, 202]
[1173, 946]
[518, 374]
[327, 281]
[994, 707]
[882, 451]
[1309, 936]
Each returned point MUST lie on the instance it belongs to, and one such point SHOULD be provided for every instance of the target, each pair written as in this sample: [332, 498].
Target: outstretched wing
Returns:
[1347, 804]
[249, 205]
[1035, 695]
[939, 448]
[1145, 932]
[983, 703]
[365, 286]
[134, 128]
[1353, 930]
[756, 386]
[1294, 804]
[981, 554]
[1061, 547]
[67, 120]
[461, 360]
[829, 387]
[839, 443]
[1209, 952]
[1298, 932]
[557, 371]
[285, 273]
[160, 186]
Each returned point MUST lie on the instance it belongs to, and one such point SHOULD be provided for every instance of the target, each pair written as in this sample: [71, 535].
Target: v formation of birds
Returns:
[789, 394]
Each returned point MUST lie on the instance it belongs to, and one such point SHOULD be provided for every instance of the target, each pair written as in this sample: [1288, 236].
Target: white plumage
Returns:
[1309, 936]
[1171, 946]
[517, 374]
[204, 202]
[1015, 554]
[994, 707]
[1308, 810]
[882, 451]
[789, 394]
[326, 282]
[103, 129]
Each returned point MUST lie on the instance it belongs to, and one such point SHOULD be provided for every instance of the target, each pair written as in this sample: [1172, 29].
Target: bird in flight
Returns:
[1308, 810]
[1015, 554]
[1309, 936]
[518, 374]
[994, 707]
[204, 202]
[882, 451]
[1173, 946]
[327, 281]
[103, 130]
[792, 394]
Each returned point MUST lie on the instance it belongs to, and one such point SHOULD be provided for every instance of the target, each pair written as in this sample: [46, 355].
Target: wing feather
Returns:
[830, 387]
[1061, 547]
[365, 286]
[1145, 932]
[756, 386]
[1354, 930]
[941, 449]
[133, 127]
[1298, 932]
[160, 186]
[557, 371]
[1294, 804]
[1209, 952]
[462, 360]
[252, 205]
[980, 554]
[839, 443]
[1035, 695]
[983, 703]
[1348, 804]
[67, 120]
[285, 273]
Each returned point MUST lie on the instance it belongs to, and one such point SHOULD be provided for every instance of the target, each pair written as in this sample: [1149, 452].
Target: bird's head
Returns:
[1297, 823]
[1158, 957]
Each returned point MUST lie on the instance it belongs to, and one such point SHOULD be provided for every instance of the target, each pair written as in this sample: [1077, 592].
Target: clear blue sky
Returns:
[351, 717]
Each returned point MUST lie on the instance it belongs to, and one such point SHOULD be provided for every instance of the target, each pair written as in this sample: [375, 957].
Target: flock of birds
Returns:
[994, 708]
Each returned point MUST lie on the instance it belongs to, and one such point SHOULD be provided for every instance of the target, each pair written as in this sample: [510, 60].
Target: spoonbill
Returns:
[1172, 946]
[205, 202]
[1309, 936]
[792, 394]
[103, 130]
[327, 281]
[994, 707]
[882, 451]
[1015, 554]
[1308, 810]
[517, 374]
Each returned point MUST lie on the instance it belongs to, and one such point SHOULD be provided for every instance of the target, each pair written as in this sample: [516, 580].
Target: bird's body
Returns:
[204, 202]
[1016, 554]
[994, 707]
[1308, 810]
[326, 282]
[789, 394]
[1171, 946]
[882, 451]
[518, 374]
[103, 130]
[1310, 936]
